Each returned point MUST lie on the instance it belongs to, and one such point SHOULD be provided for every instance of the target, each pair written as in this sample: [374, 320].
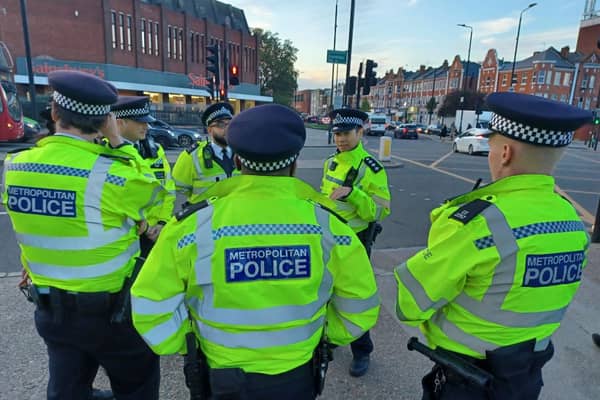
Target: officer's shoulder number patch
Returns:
[193, 147]
[189, 210]
[470, 210]
[373, 164]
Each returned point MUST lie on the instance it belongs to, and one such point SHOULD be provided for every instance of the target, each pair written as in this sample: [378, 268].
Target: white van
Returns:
[377, 123]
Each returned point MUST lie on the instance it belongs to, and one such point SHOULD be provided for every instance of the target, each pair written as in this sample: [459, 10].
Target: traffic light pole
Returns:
[225, 65]
[349, 60]
[358, 85]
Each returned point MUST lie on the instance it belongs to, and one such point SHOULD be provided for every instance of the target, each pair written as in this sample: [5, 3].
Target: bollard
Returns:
[385, 148]
[596, 228]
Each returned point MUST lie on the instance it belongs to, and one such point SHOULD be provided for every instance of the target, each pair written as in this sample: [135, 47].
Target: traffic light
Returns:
[370, 77]
[210, 84]
[596, 118]
[351, 86]
[212, 63]
[222, 93]
[234, 78]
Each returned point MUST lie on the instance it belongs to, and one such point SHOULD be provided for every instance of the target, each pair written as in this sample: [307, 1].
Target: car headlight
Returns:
[29, 125]
[197, 136]
[171, 133]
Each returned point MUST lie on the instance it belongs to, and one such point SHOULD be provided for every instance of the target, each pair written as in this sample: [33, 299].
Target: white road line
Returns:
[435, 163]
[580, 191]
[583, 213]
[576, 178]
[433, 168]
[568, 153]
[3, 213]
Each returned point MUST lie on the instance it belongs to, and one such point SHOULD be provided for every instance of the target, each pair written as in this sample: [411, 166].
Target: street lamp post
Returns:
[466, 75]
[512, 72]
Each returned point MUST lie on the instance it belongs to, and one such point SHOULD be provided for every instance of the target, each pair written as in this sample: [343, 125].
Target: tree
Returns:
[431, 105]
[365, 105]
[472, 100]
[276, 74]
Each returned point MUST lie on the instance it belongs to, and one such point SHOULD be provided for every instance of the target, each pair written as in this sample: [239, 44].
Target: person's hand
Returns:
[340, 192]
[24, 278]
[153, 232]
[142, 227]
[110, 130]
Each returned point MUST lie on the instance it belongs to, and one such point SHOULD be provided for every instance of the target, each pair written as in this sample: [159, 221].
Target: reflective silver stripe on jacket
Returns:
[70, 272]
[142, 306]
[164, 331]
[417, 290]
[489, 308]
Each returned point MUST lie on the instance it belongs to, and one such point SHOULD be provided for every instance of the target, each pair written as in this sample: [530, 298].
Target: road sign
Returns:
[336, 56]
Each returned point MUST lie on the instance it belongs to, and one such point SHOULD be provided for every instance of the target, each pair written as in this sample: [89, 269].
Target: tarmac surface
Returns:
[395, 372]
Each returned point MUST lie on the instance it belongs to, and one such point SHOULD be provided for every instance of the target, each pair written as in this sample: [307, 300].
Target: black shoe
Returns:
[359, 366]
[596, 338]
[99, 394]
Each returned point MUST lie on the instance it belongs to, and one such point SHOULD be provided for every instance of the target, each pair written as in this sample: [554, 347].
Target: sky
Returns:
[408, 33]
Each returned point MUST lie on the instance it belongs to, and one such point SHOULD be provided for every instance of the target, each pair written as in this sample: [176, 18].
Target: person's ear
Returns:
[507, 154]
[53, 113]
[293, 168]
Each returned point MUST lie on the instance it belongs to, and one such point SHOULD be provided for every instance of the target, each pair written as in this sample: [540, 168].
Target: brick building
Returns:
[151, 47]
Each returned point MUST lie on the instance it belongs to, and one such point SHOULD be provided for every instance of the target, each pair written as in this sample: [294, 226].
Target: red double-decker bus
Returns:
[11, 113]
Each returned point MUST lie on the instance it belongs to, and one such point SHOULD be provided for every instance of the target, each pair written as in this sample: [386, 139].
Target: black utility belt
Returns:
[55, 299]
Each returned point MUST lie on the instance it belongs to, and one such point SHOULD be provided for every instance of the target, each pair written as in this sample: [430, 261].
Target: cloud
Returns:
[488, 41]
[495, 26]
[256, 15]
[411, 3]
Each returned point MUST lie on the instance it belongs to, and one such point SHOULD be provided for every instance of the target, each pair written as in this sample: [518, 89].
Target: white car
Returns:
[472, 141]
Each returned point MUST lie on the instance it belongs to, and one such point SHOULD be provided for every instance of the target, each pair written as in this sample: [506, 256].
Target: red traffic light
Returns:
[234, 78]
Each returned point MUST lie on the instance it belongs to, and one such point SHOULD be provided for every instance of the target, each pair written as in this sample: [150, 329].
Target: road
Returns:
[430, 174]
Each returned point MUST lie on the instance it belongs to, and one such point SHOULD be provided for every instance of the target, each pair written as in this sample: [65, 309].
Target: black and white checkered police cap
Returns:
[82, 93]
[216, 112]
[133, 107]
[267, 138]
[346, 119]
[534, 119]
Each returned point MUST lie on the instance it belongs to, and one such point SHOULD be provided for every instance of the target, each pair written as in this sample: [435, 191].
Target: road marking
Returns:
[583, 213]
[3, 213]
[435, 163]
[582, 158]
[580, 191]
[433, 168]
[575, 178]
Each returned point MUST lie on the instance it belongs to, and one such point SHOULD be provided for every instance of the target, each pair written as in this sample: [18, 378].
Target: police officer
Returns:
[203, 164]
[133, 116]
[260, 285]
[358, 185]
[504, 261]
[78, 241]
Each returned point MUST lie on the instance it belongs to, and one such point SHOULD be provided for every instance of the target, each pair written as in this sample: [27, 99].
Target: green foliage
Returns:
[276, 74]
[365, 105]
[472, 101]
[431, 105]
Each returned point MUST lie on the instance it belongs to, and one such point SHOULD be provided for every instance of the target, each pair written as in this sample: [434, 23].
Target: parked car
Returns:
[406, 131]
[434, 129]
[32, 128]
[312, 119]
[472, 141]
[421, 128]
[183, 137]
[377, 125]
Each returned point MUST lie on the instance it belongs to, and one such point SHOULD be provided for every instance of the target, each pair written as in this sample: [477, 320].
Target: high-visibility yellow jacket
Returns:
[162, 209]
[197, 169]
[261, 271]
[73, 206]
[369, 200]
[501, 266]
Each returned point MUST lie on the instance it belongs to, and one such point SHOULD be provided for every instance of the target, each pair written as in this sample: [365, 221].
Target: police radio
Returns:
[207, 156]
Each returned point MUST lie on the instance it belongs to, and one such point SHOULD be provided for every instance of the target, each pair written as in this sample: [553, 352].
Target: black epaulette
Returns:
[122, 159]
[470, 210]
[193, 147]
[15, 151]
[192, 208]
[373, 164]
[329, 210]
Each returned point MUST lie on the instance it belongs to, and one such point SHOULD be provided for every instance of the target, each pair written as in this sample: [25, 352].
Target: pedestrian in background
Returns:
[502, 262]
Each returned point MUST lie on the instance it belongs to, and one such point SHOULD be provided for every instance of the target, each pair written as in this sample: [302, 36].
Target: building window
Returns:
[143, 36]
[202, 48]
[549, 78]
[587, 103]
[170, 33]
[567, 80]
[541, 77]
[129, 20]
[113, 29]
[557, 78]
[122, 31]
[523, 78]
[150, 25]
[198, 45]
[156, 38]
[504, 79]
[174, 44]
[584, 82]
[563, 98]
[180, 44]
[592, 81]
[554, 97]
[193, 46]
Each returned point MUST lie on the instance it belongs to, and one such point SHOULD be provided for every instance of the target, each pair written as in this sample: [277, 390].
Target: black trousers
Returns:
[78, 343]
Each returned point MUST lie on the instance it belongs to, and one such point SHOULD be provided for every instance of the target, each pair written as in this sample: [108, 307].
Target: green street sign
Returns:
[336, 56]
